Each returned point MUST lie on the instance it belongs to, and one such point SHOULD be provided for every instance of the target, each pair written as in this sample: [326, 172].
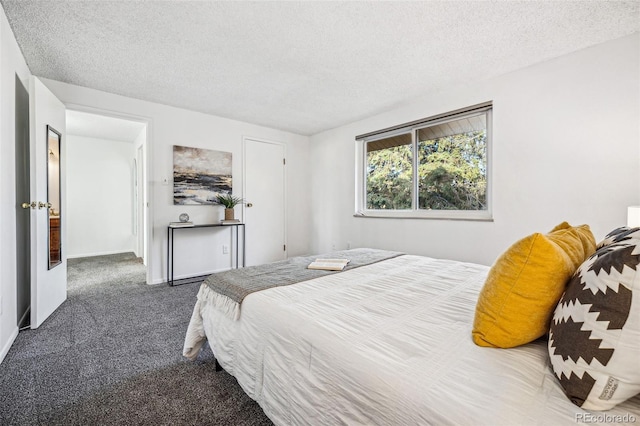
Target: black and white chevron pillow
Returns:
[594, 341]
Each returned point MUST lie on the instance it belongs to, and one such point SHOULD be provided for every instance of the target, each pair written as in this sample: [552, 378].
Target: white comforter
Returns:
[387, 344]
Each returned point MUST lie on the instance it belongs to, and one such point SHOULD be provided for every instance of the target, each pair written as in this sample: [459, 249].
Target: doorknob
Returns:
[27, 205]
[249, 204]
[41, 205]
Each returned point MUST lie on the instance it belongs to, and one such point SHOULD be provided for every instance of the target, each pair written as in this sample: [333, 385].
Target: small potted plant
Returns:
[229, 201]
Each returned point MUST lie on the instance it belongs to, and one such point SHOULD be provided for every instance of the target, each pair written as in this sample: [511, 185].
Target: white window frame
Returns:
[413, 127]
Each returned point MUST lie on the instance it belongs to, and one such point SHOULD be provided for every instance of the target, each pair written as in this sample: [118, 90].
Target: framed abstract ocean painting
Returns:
[199, 174]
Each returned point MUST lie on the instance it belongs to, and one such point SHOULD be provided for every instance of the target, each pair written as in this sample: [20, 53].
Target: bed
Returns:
[386, 343]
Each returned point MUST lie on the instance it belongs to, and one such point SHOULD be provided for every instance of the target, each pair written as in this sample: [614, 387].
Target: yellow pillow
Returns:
[524, 285]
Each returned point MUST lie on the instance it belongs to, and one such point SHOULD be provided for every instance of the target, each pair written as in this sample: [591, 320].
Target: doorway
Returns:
[23, 195]
[106, 159]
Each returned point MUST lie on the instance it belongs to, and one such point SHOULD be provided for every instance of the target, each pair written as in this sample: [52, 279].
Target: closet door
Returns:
[264, 192]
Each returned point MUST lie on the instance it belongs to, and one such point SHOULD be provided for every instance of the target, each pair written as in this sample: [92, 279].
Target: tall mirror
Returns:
[53, 196]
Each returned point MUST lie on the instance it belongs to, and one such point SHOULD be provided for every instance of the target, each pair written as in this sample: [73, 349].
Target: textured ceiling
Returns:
[300, 66]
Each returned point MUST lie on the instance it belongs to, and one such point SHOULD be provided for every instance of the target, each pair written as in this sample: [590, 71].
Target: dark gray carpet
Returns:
[111, 354]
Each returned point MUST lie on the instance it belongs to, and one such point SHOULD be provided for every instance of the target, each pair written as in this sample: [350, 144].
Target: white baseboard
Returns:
[7, 346]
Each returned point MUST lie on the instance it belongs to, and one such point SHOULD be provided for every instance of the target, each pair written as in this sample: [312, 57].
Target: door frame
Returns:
[284, 183]
[148, 168]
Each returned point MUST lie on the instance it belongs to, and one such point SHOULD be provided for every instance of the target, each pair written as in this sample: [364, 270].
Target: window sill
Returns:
[483, 216]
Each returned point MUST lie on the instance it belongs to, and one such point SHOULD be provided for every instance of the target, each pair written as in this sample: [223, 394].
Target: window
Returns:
[432, 168]
[390, 173]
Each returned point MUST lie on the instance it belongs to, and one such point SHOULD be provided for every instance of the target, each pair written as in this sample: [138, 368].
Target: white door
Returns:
[264, 211]
[48, 286]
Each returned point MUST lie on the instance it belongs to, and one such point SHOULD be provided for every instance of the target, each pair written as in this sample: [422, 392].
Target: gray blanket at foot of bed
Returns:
[237, 284]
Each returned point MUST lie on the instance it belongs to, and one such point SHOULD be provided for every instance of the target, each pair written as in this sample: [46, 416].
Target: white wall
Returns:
[99, 196]
[200, 252]
[11, 63]
[565, 147]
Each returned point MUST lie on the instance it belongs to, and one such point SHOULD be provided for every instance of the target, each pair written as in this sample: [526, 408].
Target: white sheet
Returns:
[389, 344]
